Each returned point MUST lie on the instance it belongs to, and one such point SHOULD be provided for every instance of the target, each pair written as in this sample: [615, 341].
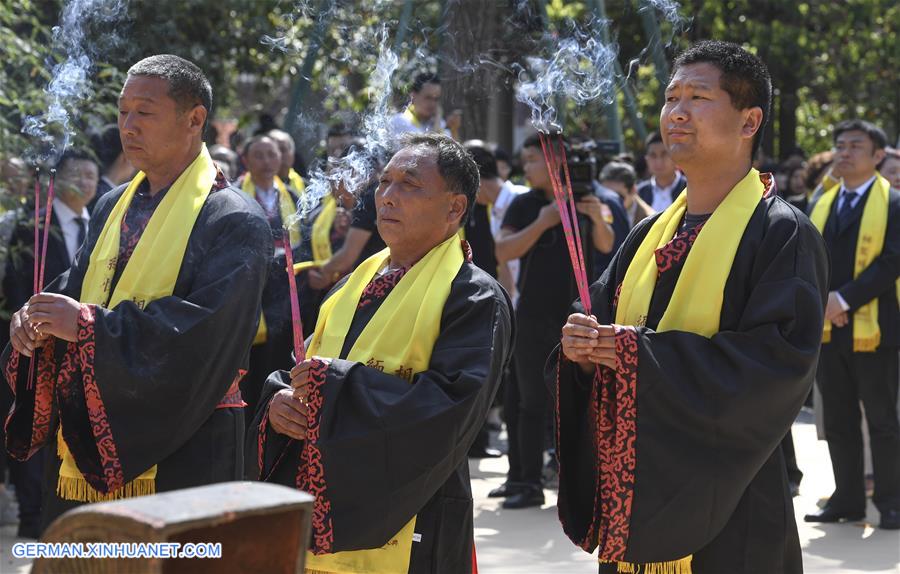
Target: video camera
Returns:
[584, 159]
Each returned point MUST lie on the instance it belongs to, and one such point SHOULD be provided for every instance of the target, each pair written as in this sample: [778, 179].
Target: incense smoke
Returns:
[356, 170]
[71, 83]
[582, 70]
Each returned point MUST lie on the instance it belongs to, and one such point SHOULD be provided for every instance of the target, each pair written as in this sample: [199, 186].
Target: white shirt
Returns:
[508, 192]
[268, 198]
[70, 227]
[401, 124]
[857, 190]
[662, 196]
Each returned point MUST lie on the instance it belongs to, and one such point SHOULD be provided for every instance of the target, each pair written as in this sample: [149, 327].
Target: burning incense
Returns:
[299, 348]
[565, 203]
[47, 216]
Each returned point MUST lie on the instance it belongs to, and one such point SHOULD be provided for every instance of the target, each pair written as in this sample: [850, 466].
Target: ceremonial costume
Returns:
[146, 399]
[405, 366]
[670, 461]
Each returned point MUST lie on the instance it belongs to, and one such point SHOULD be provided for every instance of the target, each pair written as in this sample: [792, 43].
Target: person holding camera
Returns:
[532, 232]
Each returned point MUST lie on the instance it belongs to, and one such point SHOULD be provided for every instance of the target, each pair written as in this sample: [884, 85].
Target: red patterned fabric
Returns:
[674, 251]
[380, 286]
[467, 251]
[261, 442]
[12, 370]
[233, 398]
[22, 447]
[617, 430]
[311, 472]
[113, 477]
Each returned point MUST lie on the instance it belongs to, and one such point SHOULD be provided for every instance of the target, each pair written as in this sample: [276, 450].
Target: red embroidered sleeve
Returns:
[311, 473]
[617, 430]
[111, 468]
[25, 437]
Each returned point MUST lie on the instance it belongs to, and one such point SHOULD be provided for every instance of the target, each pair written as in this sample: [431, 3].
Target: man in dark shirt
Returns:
[532, 232]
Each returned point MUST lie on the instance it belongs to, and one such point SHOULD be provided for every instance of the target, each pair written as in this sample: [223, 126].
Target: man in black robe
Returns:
[669, 452]
[146, 384]
[376, 446]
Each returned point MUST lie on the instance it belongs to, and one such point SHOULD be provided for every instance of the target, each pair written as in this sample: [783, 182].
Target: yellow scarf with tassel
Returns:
[149, 275]
[321, 235]
[872, 230]
[286, 206]
[696, 304]
[399, 339]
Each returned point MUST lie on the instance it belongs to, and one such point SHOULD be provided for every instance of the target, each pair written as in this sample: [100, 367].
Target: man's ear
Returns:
[458, 204]
[879, 156]
[197, 117]
[752, 122]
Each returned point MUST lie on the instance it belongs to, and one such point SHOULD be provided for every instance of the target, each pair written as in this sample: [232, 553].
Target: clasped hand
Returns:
[45, 315]
[588, 343]
[288, 410]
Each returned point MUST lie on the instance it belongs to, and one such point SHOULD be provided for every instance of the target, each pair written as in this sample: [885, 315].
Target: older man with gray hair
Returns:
[405, 360]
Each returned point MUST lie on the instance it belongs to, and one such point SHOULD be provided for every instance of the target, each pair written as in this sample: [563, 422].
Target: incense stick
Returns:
[568, 215]
[296, 324]
[49, 212]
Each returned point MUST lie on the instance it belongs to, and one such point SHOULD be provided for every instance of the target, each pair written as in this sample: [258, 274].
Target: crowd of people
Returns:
[483, 359]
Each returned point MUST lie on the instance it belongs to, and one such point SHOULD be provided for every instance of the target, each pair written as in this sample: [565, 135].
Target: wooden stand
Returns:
[261, 527]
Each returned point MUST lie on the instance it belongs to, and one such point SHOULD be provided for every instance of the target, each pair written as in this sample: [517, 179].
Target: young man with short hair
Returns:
[674, 394]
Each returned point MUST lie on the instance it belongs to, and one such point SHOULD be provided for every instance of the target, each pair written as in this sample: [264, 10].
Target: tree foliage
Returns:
[829, 60]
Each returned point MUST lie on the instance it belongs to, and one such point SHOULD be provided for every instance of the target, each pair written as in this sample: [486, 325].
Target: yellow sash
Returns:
[696, 304]
[872, 229]
[321, 235]
[149, 275]
[398, 340]
[410, 114]
[296, 181]
[286, 206]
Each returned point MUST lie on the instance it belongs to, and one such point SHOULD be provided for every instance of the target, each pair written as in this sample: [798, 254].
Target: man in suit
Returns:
[76, 185]
[666, 182]
[115, 169]
[860, 220]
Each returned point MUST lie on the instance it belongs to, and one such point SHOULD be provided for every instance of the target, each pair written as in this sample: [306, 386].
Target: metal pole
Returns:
[301, 87]
[611, 108]
[651, 28]
[403, 25]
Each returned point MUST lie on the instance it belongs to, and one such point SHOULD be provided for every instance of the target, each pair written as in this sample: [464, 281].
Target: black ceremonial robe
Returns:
[709, 479]
[156, 386]
[390, 449]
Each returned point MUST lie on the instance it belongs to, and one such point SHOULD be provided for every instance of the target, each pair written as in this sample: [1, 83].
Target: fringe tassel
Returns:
[311, 571]
[867, 345]
[78, 489]
[681, 566]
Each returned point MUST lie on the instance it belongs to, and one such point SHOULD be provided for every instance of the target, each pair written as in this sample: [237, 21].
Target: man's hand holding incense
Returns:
[53, 314]
[287, 412]
[22, 334]
[287, 415]
[588, 343]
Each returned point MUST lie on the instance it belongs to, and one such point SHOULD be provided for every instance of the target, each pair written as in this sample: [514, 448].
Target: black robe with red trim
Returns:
[156, 386]
[676, 452]
[382, 450]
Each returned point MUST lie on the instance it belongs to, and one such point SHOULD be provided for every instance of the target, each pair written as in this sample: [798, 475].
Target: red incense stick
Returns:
[299, 346]
[37, 223]
[568, 216]
[43, 264]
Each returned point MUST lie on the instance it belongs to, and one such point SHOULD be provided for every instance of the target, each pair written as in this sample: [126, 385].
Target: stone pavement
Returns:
[530, 541]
